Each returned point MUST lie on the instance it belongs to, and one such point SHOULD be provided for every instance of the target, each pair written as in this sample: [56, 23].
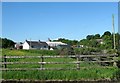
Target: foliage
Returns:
[66, 51]
[91, 72]
[83, 74]
[89, 37]
[7, 43]
[116, 75]
[97, 36]
[108, 42]
[117, 35]
[0, 42]
[86, 51]
[28, 52]
[84, 42]
[111, 51]
[107, 33]
[91, 41]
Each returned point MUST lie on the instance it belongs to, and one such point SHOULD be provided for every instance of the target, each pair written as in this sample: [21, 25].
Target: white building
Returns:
[54, 44]
[35, 45]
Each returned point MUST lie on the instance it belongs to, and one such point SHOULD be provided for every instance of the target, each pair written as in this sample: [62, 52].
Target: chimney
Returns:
[39, 41]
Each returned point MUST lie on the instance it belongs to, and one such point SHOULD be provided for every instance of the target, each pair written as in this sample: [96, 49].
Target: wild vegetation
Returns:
[91, 72]
[83, 74]
[94, 43]
[28, 52]
[91, 41]
[90, 46]
[6, 43]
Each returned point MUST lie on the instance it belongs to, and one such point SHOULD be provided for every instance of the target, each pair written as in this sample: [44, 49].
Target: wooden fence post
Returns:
[5, 60]
[114, 63]
[78, 63]
[42, 60]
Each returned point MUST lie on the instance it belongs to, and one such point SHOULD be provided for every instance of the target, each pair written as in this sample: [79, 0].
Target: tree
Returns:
[93, 43]
[0, 42]
[74, 42]
[117, 40]
[106, 33]
[108, 42]
[84, 42]
[89, 37]
[7, 43]
[97, 36]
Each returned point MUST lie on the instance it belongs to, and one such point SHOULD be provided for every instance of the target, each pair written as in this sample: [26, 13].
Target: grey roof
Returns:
[99, 40]
[37, 43]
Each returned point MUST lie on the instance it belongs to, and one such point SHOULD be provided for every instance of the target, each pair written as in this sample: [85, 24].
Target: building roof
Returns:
[99, 40]
[55, 43]
[36, 43]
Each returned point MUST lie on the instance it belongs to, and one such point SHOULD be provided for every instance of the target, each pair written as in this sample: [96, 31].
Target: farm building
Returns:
[53, 45]
[19, 45]
[35, 45]
[100, 41]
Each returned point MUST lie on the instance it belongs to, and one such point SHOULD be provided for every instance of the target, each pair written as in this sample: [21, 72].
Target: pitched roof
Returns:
[99, 40]
[36, 43]
[55, 43]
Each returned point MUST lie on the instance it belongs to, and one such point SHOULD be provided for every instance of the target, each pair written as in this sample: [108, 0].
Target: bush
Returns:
[116, 75]
[111, 51]
[42, 52]
[65, 51]
[86, 51]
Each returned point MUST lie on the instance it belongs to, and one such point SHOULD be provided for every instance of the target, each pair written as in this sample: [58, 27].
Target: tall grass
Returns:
[28, 52]
[83, 74]
[91, 72]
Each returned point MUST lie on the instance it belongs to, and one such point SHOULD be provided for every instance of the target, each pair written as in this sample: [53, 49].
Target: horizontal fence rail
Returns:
[70, 56]
[78, 59]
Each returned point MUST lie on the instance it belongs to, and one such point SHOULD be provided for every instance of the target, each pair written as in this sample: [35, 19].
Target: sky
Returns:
[70, 20]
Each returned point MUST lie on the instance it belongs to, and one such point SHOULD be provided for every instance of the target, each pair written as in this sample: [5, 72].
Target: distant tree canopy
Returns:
[96, 41]
[106, 38]
[96, 36]
[107, 33]
[91, 41]
[6, 43]
[89, 37]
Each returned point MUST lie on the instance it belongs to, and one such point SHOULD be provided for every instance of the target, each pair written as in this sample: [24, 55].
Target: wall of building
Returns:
[26, 46]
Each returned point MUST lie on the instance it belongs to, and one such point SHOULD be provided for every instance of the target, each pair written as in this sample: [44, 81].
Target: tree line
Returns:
[104, 41]
[6, 43]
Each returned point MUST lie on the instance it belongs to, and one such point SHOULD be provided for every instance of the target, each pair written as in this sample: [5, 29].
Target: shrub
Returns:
[111, 51]
[116, 75]
[86, 51]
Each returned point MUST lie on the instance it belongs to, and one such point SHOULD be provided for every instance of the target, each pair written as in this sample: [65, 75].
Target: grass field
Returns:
[86, 74]
[91, 72]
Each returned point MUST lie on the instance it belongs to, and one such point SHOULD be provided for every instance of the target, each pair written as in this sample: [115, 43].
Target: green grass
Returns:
[28, 52]
[91, 72]
[83, 74]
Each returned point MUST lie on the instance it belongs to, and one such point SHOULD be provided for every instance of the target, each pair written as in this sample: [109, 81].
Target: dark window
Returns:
[32, 46]
[44, 46]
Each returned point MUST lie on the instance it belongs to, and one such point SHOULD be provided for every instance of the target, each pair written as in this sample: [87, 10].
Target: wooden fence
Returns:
[78, 59]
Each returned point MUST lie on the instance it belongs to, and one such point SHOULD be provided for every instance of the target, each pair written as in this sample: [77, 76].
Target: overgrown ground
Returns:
[91, 72]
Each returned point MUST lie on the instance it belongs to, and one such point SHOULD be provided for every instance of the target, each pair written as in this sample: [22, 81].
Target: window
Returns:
[32, 46]
[44, 46]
